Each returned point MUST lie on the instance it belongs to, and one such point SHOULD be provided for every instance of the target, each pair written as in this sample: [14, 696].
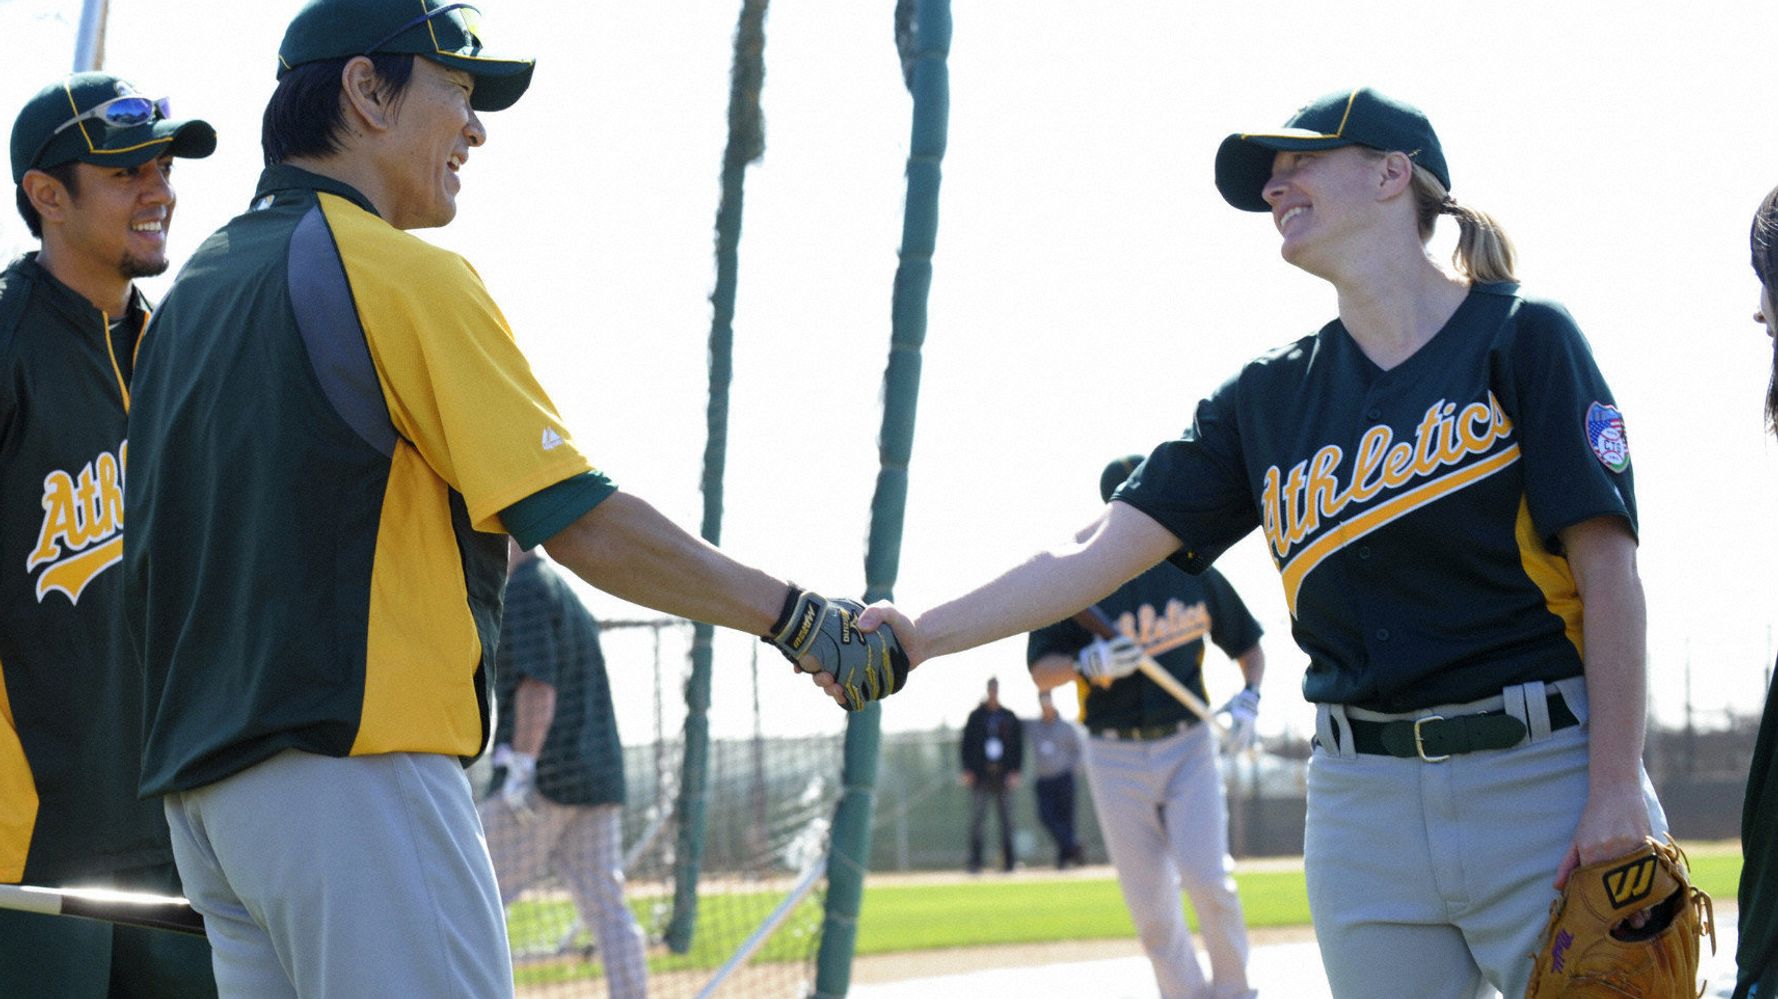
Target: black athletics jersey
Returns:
[71, 696]
[1167, 611]
[548, 635]
[1412, 513]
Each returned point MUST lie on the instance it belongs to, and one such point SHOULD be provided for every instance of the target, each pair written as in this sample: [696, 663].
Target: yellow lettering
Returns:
[110, 496]
[1398, 467]
[79, 510]
[1503, 425]
[1323, 499]
[1145, 625]
[1293, 498]
[1271, 517]
[1293, 504]
[1426, 442]
[86, 507]
[1126, 625]
[1475, 441]
[58, 519]
[1366, 480]
[1450, 450]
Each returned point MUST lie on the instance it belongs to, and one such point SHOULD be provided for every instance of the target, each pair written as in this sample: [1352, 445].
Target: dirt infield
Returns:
[881, 968]
[1283, 963]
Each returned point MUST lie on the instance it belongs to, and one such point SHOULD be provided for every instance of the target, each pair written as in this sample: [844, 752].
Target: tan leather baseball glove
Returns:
[1597, 945]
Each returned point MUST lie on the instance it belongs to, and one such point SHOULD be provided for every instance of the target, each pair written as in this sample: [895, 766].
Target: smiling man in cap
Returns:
[334, 432]
[91, 161]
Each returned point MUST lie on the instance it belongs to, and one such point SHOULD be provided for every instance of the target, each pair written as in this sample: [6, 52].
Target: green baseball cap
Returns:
[100, 119]
[446, 33]
[1359, 117]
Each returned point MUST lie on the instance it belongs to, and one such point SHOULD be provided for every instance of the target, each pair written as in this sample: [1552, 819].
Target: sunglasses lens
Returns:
[126, 111]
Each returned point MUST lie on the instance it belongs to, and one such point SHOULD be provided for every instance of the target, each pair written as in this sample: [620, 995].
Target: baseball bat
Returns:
[161, 912]
[1099, 623]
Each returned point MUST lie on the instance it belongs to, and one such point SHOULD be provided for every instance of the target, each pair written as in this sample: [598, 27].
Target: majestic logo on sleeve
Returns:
[1605, 435]
[82, 532]
[1435, 464]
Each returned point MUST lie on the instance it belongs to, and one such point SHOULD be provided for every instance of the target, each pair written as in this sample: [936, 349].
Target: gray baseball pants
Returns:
[1165, 823]
[361, 877]
[583, 846]
[1434, 880]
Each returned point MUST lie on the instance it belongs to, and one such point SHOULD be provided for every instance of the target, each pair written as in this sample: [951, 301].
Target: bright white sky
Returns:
[1090, 284]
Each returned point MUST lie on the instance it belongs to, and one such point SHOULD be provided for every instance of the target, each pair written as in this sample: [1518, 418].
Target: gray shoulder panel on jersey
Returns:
[328, 321]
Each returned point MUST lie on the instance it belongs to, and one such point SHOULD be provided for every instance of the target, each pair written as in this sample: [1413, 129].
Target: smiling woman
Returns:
[1472, 594]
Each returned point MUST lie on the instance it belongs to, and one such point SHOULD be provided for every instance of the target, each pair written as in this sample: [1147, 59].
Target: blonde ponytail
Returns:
[1484, 253]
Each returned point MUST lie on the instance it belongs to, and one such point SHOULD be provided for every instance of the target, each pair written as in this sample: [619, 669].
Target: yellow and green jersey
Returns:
[333, 431]
[70, 690]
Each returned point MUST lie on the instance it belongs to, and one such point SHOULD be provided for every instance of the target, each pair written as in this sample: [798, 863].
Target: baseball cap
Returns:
[1359, 117]
[98, 118]
[446, 33]
[1115, 474]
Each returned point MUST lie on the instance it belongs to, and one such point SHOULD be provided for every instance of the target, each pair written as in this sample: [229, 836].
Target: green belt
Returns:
[1434, 737]
[1145, 733]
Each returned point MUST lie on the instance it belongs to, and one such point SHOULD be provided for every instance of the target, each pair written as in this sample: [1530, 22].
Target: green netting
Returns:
[769, 796]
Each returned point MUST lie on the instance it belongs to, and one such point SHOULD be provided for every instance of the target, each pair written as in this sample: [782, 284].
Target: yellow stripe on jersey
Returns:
[1352, 530]
[419, 682]
[18, 794]
[456, 385]
[1552, 575]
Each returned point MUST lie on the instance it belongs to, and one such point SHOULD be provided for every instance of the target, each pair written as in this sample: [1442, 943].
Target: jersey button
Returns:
[1382, 634]
[1375, 414]
[1364, 551]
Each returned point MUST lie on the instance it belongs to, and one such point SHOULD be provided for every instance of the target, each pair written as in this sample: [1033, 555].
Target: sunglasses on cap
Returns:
[470, 19]
[118, 112]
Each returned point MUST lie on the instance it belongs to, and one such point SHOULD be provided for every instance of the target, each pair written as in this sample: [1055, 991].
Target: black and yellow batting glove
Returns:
[868, 665]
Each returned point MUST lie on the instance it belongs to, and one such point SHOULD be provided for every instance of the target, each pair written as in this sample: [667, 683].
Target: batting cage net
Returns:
[721, 893]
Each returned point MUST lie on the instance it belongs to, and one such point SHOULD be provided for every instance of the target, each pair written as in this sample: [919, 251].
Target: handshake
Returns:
[821, 636]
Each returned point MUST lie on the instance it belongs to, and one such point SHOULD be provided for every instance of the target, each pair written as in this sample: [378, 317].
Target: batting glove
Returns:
[1109, 660]
[519, 790]
[1243, 710]
[819, 635]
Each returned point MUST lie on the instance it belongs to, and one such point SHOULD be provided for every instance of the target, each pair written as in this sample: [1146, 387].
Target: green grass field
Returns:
[988, 911]
[1028, 909]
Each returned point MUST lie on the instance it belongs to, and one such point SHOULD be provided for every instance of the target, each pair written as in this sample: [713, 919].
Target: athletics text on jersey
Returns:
[1413, 513]
[1168, 612]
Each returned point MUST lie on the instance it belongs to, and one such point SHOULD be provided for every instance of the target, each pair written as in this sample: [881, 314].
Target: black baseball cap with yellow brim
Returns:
[99, 119]
[1359, 117]
[446, 33]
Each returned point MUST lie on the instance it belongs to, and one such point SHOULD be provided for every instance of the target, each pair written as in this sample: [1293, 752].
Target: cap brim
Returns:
[1244, 163]
[128, 147]
[499, 83]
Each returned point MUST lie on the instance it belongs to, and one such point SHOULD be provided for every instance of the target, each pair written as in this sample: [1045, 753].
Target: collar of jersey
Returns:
[72, 303]
[283, 177]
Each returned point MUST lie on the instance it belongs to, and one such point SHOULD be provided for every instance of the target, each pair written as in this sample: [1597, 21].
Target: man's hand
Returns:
[519, 789]
[1109, 659]
[821, 636]
[1243, 710]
